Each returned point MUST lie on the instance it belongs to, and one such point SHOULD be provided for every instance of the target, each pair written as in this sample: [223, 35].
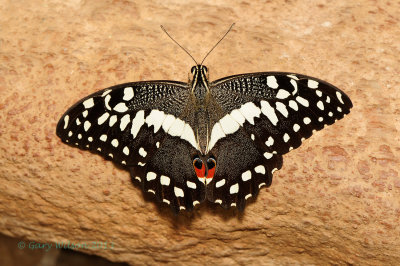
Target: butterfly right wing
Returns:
[270, 113]
[132, 124]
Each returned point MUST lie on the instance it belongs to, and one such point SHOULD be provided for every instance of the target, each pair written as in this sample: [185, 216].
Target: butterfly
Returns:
[219, 141]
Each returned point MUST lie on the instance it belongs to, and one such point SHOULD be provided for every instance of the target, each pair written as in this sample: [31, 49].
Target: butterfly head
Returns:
[199, 78]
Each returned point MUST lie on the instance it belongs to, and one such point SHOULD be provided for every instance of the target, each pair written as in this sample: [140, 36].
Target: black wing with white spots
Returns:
[272, 113]
[132, 124]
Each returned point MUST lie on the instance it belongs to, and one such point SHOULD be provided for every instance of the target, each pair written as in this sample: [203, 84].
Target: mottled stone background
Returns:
[336, 199]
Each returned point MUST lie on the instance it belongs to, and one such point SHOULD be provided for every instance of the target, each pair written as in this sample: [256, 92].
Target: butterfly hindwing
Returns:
[241, 171]
[169, 175]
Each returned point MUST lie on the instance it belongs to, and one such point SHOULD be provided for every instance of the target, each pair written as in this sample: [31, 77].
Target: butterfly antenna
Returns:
[233, 24]
[177, 43]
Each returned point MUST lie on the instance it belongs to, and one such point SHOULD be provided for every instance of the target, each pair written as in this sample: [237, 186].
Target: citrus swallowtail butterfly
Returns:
[188, 142]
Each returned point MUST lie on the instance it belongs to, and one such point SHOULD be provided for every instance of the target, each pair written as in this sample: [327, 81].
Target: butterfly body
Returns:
[188, 142]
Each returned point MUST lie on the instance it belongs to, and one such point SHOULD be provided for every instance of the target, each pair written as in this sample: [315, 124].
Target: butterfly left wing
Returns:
[132, 124]
[271, 113]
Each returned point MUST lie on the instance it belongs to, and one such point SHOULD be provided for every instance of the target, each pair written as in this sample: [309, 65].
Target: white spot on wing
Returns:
[220, 183]
[294, 84]
[296, 127]
[176, 128]
[124, 121]
[268, 155]
[312, 84]
[103, 118]
[246, 176]
[164, 180]
[271, 82]
[286, 137]
[115, 143]
[85, 113]
[78, 122]
[339, 96]
[166, 201]
[249, 111]
[151, 176]
[90, 139]
[107, 102]
[247, 196]
[86, 125]
[137, 123]
[191, 185]
[237, 115]
[121, 107]
[292, 76]
[319, 93]
[126, 150]
[155, 118]
[103, 137]
[128, 94]
[293, 105]
[282, 94]
[178, 192]
[66, 119]
[269, 112]
[168, 121]
[142, 152]
[302, 101]
[113, 120]
[260, 169]
[89, 103]
[269, 142]
[320, 105]
[234, 189]
[216, 134]
[228, 124]
[188, 135]
[307, 120]
[105, 93]
[282, 109]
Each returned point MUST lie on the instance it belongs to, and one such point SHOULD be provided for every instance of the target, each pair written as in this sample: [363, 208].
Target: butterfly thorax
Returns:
[200, 96]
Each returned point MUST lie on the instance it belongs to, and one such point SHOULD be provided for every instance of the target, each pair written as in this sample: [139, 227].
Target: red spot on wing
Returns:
[211, 164]
[210, 173]
[199, 168]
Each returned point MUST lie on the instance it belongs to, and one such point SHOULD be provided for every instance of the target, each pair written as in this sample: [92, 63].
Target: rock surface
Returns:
[336, 199]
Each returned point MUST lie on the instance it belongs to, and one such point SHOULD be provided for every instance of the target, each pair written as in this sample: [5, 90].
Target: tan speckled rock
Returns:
[337, 197]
